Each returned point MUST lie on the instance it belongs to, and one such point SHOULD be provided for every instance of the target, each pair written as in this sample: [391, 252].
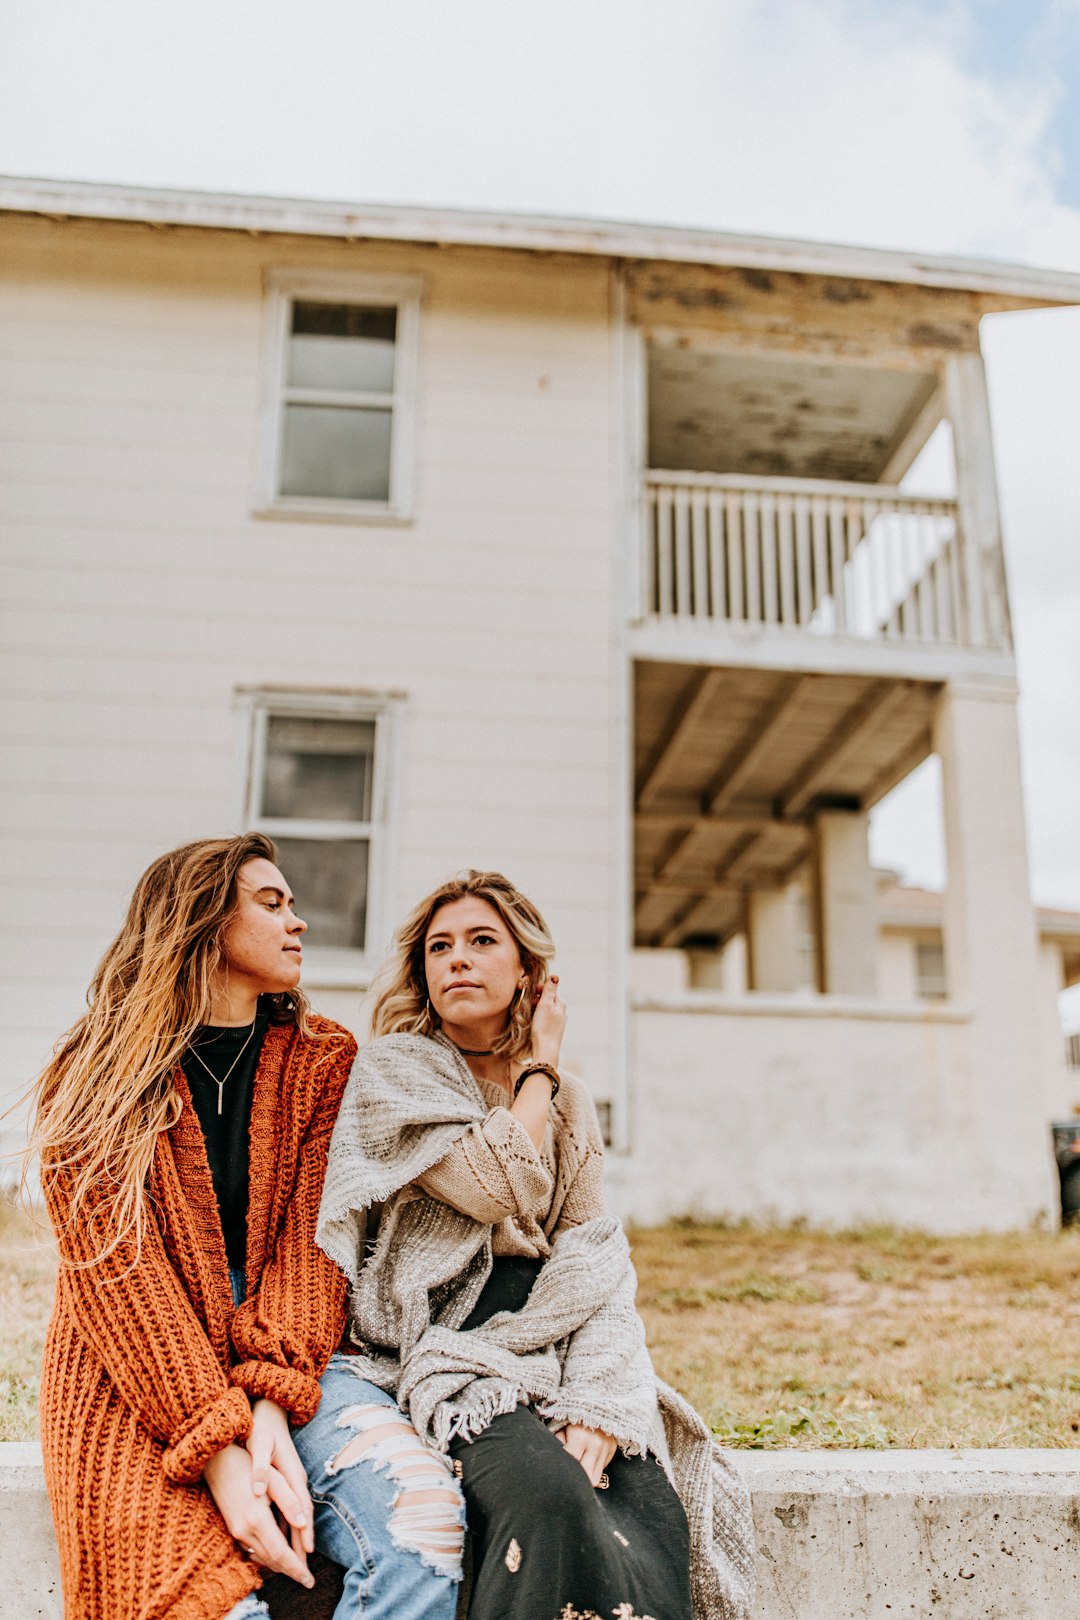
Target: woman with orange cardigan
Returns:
[183, 1126]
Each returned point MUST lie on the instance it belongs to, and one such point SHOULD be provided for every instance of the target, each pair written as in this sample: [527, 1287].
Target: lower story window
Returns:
[318, 787]
[930, 982]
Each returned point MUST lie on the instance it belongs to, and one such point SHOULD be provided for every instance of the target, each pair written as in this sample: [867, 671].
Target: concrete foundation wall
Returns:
[830, 1109]
[953, 1535]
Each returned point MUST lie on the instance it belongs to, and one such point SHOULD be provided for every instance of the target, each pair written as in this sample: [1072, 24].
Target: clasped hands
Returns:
[249, 1481]
[592, 1448]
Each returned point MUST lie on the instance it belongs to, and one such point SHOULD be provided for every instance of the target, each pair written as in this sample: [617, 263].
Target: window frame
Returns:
[333, 967]
[401, 293]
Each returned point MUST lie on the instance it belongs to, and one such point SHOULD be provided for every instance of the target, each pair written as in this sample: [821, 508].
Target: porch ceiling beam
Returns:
[685, 718]
[728, 879]
[742, 844]
[723, 885]
[777, 878]
[676, 924]
[724, 787]
[901, 767]
[676, 851]
[683, 916]
[673, 812]
[715, 891]
[884, 699]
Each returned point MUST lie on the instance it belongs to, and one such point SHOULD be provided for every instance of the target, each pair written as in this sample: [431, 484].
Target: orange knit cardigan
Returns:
[148, 1368]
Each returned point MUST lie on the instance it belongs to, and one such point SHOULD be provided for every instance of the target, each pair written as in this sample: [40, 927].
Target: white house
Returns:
[426, 539]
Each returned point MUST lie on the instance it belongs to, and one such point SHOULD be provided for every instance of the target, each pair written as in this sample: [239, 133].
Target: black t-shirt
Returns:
[225, 1115]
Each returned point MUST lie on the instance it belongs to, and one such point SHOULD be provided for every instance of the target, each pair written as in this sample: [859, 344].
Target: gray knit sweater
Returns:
[575, 1352]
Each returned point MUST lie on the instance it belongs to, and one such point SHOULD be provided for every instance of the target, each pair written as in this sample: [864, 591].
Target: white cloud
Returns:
[828, 119]
[815, 118]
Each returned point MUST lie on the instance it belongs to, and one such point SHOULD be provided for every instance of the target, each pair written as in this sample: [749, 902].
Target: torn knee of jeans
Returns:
[427, 1514]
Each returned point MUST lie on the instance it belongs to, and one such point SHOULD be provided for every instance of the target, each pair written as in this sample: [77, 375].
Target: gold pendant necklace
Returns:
[221, 1083]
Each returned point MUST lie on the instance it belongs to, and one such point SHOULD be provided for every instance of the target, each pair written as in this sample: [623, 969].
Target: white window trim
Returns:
[330, 967]
[338, 287]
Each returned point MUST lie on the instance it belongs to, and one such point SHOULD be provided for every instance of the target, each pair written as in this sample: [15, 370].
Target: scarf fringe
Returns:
[557, 1416]
[452, 1423]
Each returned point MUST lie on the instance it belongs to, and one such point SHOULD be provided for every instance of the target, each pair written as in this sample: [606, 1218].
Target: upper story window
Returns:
[319, 785]
[339, 396]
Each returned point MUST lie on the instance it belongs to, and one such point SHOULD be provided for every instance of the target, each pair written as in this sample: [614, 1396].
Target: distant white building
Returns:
[424, 539]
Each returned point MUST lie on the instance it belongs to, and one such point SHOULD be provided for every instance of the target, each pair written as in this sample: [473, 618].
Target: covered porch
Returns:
[753, 789]
[818, 604]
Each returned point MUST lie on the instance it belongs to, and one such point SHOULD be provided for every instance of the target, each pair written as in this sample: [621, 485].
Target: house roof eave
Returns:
[1001, 285]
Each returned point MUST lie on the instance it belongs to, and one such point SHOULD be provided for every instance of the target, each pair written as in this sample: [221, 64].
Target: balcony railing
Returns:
[833, 559]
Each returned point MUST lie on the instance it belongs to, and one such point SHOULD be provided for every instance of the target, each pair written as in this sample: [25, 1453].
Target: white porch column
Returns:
[773, 926]
[846, 904]
[968, 405]
[991, 958]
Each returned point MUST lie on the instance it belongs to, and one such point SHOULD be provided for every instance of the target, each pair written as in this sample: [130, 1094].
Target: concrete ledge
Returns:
[938, 1535]
[29, 1566]
[842, 1535]
[799, 1004]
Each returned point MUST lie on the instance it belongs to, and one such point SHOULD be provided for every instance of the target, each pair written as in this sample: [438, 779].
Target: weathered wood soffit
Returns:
[780, 415]
[731, 767]
[999, 286]
[858, 319]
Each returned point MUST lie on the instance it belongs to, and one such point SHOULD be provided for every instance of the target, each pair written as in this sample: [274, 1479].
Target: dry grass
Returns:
[786, 1337]
[27, 1274]
[875, 1338]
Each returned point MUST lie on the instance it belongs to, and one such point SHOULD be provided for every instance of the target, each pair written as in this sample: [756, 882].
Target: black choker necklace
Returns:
[464, 1050]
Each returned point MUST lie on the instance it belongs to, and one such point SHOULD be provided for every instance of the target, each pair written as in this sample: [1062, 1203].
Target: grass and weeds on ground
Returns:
[782, 1337]
[872, 1338]
[27, 1274]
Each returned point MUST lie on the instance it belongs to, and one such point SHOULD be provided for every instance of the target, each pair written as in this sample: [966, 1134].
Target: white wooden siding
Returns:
[143, 591]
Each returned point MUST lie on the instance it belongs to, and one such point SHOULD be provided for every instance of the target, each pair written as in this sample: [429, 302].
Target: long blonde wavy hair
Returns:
[401, 1004]
[109, 1089]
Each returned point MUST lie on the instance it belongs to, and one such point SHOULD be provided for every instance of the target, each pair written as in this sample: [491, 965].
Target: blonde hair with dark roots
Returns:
[401, 1004]
[109, 1089]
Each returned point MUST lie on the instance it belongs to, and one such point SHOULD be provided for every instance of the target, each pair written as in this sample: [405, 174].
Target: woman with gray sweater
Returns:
[494, 1298]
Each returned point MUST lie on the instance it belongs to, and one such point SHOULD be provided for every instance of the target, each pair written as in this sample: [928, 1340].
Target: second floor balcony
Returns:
[811, 560]
[811, 510]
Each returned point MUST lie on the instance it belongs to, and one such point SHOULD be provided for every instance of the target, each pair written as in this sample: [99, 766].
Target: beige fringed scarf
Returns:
[575, 1351]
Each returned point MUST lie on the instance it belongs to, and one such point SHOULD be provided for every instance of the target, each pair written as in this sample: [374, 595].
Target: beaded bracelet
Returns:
[538, 1068]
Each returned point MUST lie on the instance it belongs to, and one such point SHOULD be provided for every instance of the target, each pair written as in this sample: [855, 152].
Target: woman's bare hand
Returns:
[592, 1448]
[270, 1446]
[250, 1517]
[548, 1023]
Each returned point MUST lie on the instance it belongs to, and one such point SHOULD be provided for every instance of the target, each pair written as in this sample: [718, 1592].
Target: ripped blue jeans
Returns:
[386, 1507]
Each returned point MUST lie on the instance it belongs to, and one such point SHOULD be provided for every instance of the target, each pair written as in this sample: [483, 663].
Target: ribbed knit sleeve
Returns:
[132, 1310]
[582, 1146]
[286, 1331]
[493, 1170]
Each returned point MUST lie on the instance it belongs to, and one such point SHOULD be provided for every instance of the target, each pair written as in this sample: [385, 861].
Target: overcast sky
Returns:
[952, 127]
